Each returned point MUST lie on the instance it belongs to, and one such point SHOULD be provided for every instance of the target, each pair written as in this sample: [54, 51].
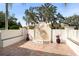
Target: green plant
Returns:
[55, 26]
[31, 27]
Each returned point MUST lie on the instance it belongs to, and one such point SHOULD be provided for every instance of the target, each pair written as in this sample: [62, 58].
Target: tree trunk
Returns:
[6, 16]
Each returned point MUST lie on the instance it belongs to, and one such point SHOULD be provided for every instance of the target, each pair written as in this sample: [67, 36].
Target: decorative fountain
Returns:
[42, 33]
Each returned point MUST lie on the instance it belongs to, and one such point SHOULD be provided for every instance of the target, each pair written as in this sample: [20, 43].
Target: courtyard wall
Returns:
[68, 36]
[9, 37]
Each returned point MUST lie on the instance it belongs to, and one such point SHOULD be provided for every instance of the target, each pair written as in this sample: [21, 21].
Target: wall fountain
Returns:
[42, 33]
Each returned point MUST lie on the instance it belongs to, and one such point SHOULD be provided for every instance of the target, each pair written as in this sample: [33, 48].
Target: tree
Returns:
[19, 24]
[60, 17]
[7, 5]
[2, 21]
[72, 21]
[12, 22]
[46, 13]
[30, 17]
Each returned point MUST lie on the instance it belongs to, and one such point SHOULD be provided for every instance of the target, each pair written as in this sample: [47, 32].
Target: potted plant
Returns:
[58, 39]
[27, 39]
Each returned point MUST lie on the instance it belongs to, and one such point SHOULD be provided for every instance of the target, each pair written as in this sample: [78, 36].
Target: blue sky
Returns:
[18, 9]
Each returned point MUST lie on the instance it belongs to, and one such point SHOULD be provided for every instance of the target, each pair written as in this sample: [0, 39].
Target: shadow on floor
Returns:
[18, 51]
[15, 50]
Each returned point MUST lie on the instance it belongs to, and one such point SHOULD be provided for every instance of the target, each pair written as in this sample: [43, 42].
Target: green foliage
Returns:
[72, 21]
[19, 24]
[12, 22]
[44, 13]
[31, 27]
[25, 27]
[55, 26]
[14, 27]
[2, 20]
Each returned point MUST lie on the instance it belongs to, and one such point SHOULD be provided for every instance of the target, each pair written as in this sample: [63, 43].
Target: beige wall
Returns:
[1, 43]
[9, 37]
[24, 33]
[10, 33]
[73, 34]
[74, 42]
[61, 33]
[31, 32]
[12, 41]
[73, 46]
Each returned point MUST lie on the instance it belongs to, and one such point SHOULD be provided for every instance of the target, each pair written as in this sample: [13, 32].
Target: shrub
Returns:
[14, 27]
[31, 27]
[55, 26]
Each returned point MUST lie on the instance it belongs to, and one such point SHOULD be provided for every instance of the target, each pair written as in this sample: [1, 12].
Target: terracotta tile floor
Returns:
[32, 49]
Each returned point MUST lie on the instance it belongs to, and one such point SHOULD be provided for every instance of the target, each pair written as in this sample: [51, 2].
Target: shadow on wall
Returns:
[15, 50]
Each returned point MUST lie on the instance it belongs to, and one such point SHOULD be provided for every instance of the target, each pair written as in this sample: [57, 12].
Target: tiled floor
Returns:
[29, 48]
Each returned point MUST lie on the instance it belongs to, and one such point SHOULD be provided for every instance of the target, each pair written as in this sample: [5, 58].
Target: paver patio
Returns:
[29, 48]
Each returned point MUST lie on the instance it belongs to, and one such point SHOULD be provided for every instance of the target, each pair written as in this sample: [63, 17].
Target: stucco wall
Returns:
[55, 32]
[73, 46]
[73, 40]
[31, 34]
[61, 33]
[5, 34]
[9, 37]
[1, 43]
